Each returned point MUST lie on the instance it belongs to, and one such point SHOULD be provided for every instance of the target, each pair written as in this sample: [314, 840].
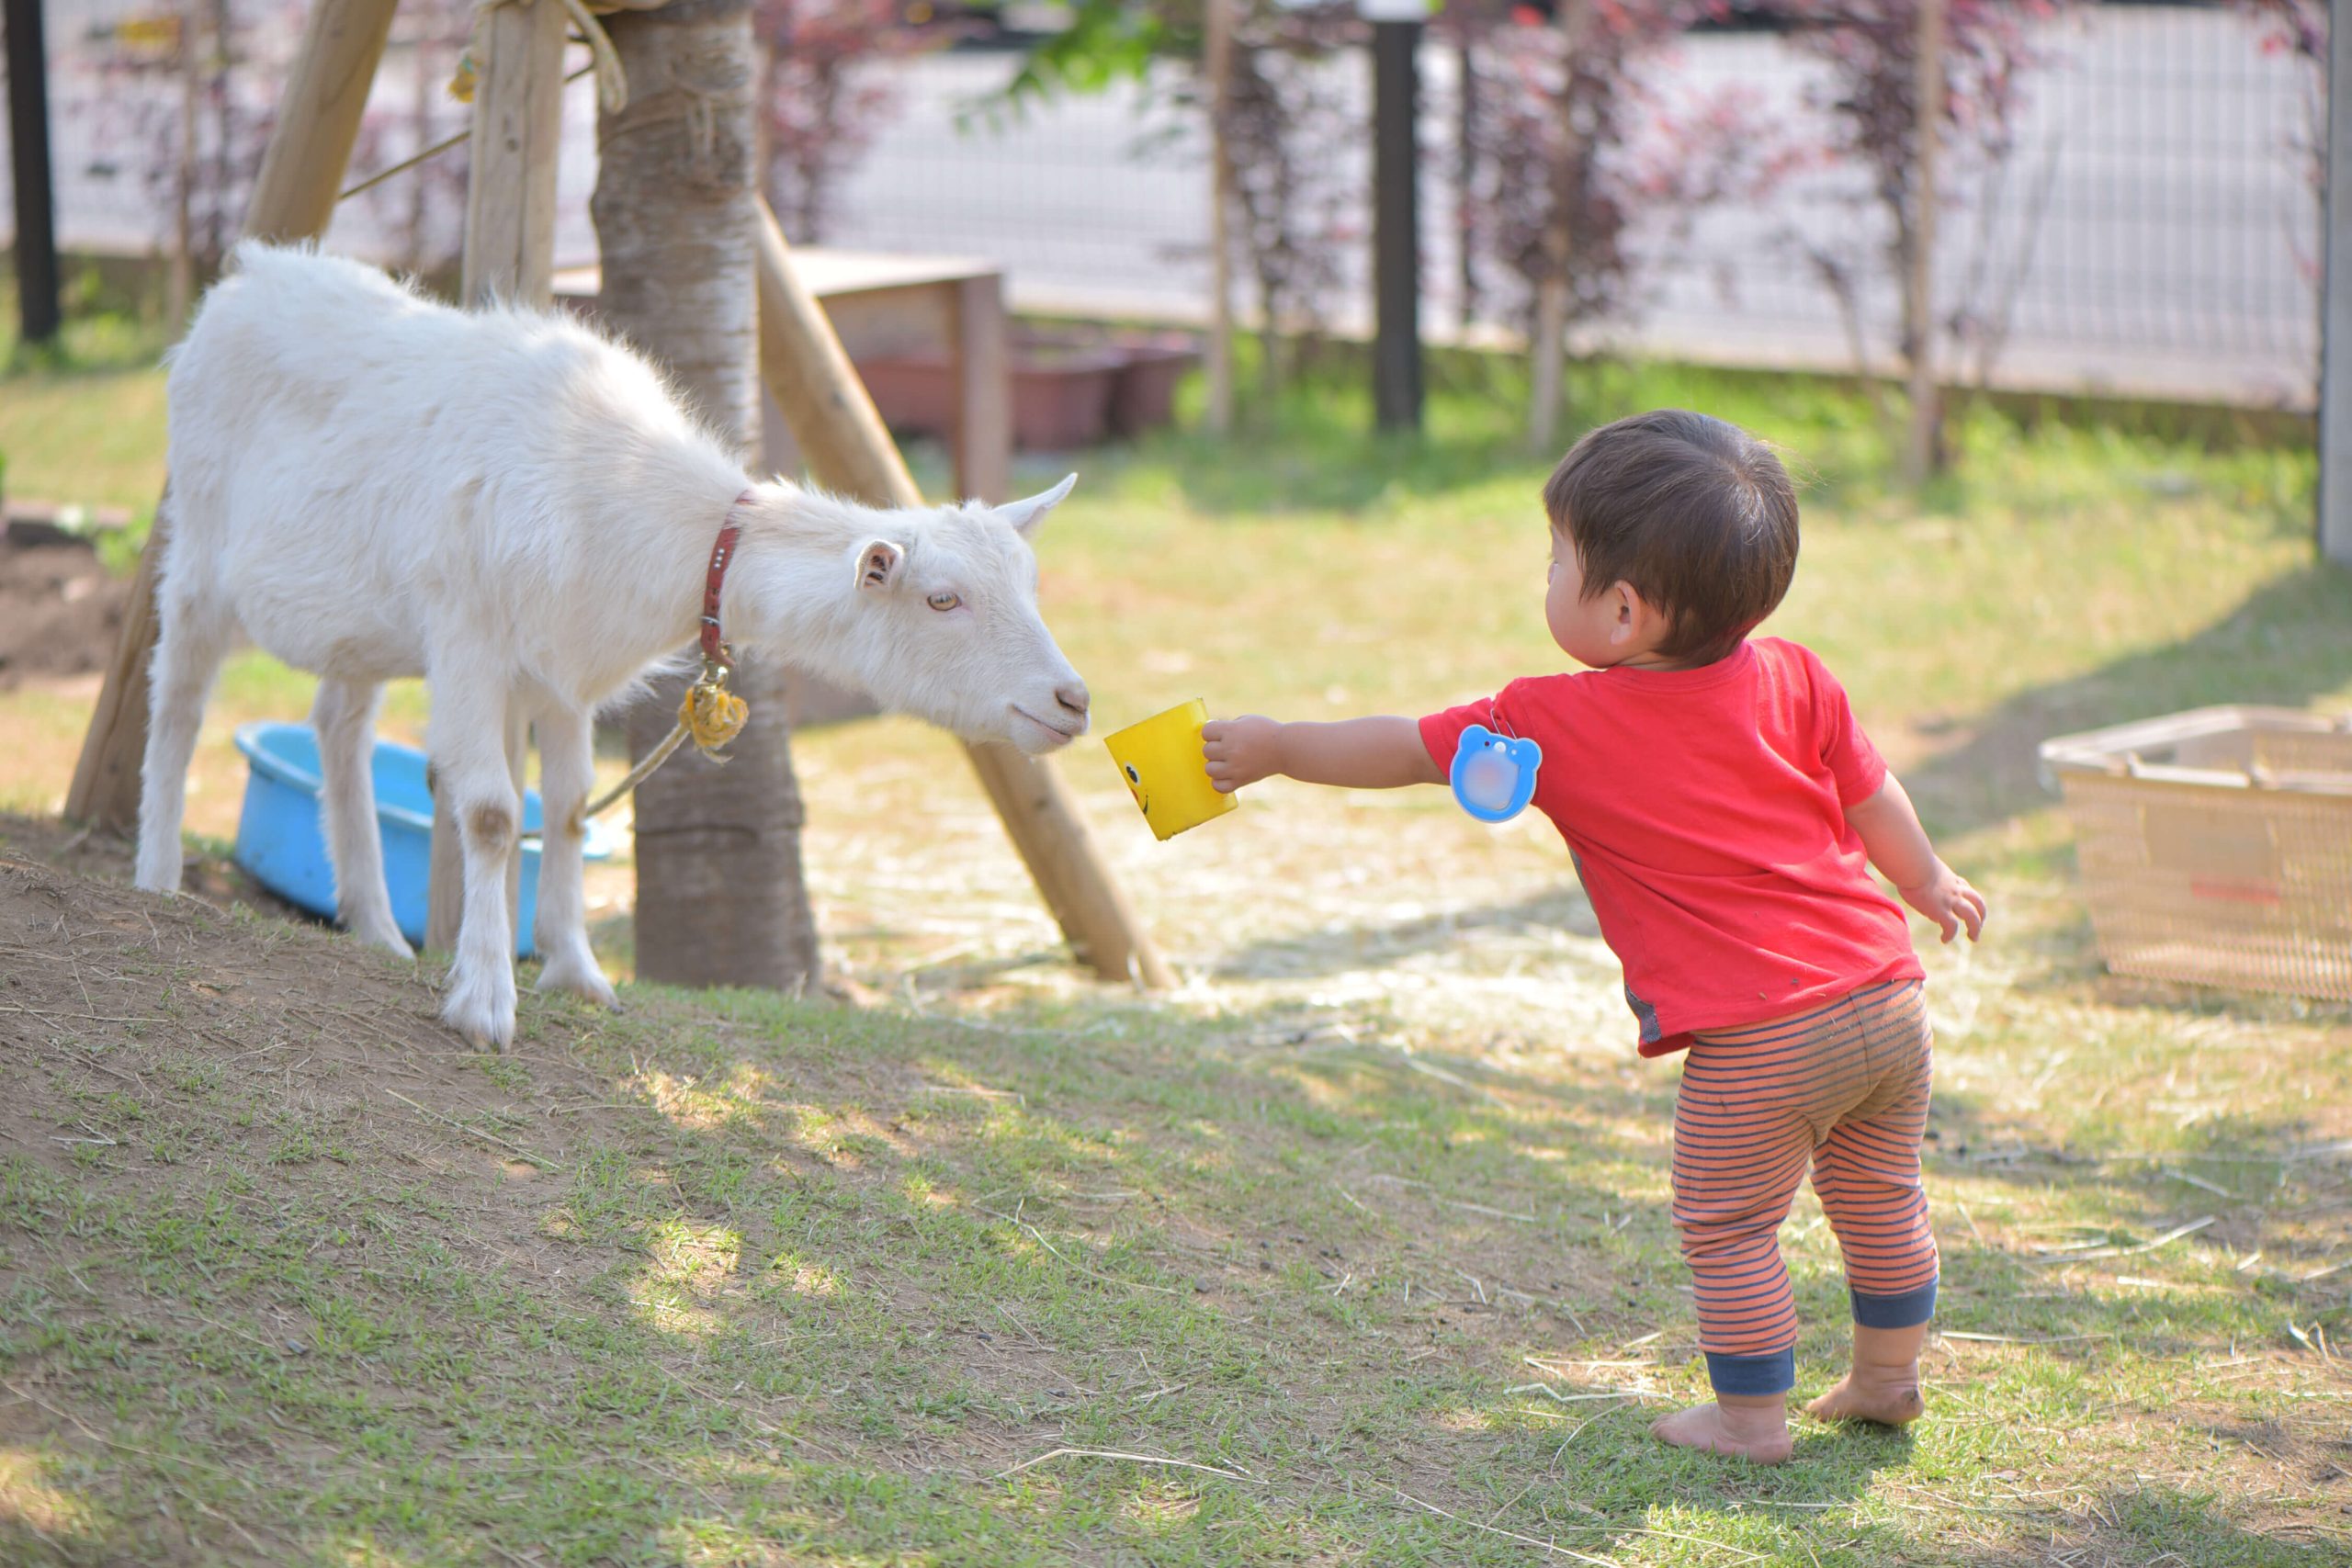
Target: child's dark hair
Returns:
[1695, 512]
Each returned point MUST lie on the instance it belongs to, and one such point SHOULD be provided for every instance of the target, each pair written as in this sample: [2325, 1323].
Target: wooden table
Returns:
[886, 304]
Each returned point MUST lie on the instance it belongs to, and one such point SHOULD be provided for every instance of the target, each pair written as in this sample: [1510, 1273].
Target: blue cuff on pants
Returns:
[1775, 1373]
[1908, 1310]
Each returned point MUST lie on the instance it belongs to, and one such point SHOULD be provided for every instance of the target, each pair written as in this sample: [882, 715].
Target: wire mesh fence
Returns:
[2154, 227]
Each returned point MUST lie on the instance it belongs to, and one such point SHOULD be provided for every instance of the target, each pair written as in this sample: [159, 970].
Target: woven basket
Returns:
[2216, 846]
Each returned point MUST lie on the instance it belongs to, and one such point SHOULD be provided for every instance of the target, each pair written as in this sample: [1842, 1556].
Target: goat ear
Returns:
[1024, 516]
[878, 566]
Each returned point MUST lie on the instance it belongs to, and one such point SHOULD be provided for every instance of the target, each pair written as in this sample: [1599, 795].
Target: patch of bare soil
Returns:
[109, 857]
[60, 611]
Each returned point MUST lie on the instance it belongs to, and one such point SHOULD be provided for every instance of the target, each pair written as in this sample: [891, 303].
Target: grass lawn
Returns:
[1355, 1249]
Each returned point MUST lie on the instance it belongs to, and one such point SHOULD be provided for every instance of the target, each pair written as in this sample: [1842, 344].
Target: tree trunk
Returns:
[1217, 61]
[1465, 178]
[1548, 350]
[224, 132]
[1924, 453]
[1554, 294]
[719, 896]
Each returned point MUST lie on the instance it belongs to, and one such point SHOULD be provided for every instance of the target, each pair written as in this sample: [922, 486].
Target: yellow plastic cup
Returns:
[1161, 759]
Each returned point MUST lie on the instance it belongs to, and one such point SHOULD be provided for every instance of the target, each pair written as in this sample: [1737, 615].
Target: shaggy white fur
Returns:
[517, 509]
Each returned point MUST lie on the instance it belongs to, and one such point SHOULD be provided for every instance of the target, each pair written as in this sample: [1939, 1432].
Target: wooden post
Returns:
[1919, 458]
[983, 412]
[847, 448]
[2335, 304]
[294, 194]
[509, 256]
[518, 129]
[1217, 60]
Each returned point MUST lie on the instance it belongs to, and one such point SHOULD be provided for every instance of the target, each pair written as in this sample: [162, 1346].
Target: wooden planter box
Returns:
[1144, 397]
[1066, 393]
[2216, 846]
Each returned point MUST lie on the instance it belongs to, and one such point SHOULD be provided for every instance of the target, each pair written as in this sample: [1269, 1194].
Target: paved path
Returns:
[2174, 254]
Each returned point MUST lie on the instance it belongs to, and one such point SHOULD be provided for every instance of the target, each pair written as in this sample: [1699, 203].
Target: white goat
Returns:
[373, 485]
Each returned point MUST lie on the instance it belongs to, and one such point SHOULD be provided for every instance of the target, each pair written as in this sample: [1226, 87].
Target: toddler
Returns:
[1722, 808]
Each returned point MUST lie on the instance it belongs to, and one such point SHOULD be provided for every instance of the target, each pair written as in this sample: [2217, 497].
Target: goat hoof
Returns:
[474, 1013]
[582, 979]
[386, 938]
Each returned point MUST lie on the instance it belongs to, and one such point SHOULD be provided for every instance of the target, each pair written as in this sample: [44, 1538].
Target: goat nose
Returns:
[1073, 698]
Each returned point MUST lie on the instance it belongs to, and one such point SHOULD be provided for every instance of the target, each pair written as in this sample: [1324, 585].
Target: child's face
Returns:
[1613, 627]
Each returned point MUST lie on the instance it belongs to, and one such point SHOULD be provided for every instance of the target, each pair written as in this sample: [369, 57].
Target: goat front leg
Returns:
[467, 739]
[193, 638]
[344, 716]
[567, 770]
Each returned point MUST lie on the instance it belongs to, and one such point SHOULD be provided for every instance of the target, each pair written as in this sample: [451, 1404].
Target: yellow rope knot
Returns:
[711, 714]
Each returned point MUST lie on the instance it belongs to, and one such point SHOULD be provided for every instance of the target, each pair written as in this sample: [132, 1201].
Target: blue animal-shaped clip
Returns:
[1494, 775]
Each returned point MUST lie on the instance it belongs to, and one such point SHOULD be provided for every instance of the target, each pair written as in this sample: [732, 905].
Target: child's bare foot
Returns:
[1884, 1384]
[1756, 1434]
[1871, 1395]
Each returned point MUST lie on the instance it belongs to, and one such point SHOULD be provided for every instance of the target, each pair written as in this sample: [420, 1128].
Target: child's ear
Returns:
[1628, 614]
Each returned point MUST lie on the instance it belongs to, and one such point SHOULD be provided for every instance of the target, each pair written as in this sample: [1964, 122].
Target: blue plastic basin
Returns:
[281, 840]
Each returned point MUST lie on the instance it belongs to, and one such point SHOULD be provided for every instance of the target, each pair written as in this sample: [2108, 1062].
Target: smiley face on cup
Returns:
[1160, 761]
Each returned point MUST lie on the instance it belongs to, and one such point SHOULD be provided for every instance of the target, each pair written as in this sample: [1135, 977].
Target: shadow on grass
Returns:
[2284, 645]
[1374, 944]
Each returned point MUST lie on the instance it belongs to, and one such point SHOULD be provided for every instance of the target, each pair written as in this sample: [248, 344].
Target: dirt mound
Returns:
[60, 612]
[100, 981]
[130, 1022]
[160, 1045]
[104, 978]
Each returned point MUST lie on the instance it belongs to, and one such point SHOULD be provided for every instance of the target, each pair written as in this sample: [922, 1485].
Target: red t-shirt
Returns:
[1705, 811]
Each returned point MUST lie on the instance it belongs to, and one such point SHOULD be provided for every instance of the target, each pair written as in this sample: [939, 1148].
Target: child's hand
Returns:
[1948, 899]
[1241, 751]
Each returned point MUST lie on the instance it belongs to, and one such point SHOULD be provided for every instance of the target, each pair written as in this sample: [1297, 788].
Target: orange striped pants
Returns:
[1843, 1089]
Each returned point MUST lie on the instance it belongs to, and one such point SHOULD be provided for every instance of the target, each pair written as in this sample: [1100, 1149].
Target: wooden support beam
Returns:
[509, 256]
[308, 152]
[835, 425]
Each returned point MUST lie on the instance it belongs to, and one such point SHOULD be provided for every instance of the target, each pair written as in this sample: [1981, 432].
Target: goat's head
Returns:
[943, 624]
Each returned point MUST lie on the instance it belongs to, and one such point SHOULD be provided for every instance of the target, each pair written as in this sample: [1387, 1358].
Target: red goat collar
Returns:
[714, 652]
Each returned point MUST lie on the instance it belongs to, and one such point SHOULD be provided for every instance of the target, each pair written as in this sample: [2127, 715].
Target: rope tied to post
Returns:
[612, 81]
[604, 63]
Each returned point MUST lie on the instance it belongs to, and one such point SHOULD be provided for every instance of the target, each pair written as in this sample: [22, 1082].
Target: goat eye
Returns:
[944, 601]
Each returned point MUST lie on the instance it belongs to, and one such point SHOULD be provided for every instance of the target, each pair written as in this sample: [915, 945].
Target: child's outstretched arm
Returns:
[1898, 846]
[1356, 753]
